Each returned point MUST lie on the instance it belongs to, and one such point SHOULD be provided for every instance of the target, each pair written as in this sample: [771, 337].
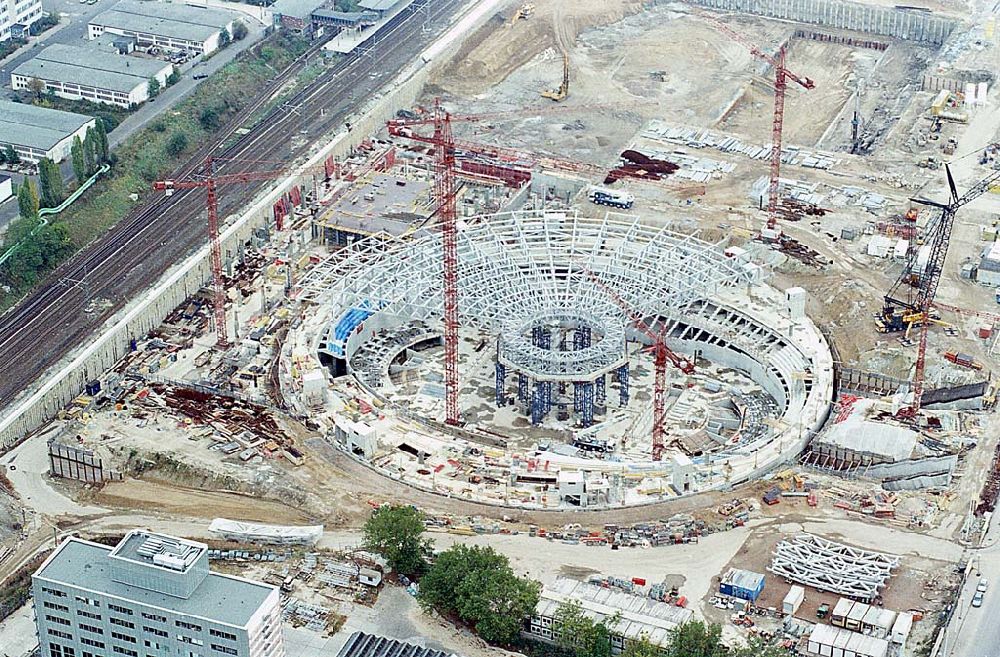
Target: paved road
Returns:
[975, 632]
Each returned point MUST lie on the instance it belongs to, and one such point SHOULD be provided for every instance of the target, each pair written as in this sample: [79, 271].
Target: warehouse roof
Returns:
[221, 598]
[165, 19]
[301, 9]
[91, 67]
[861, 645]
[638, 615]
[37, 127]
[360, 644]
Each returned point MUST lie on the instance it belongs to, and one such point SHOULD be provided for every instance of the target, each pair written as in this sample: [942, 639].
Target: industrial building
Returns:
[150, 592]
[17, 17]
[312, 16]
[37, 132]
[635, 616]
[742, 584]
[76, 72]
[166, 26]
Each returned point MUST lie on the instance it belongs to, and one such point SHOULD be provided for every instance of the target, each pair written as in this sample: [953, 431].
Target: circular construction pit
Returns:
[560, 317]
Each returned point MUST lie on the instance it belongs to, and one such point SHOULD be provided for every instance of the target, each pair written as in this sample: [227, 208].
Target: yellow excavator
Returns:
[560, 94]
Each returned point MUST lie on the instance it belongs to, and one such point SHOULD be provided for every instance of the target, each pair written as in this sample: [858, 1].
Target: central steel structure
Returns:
[529, 278]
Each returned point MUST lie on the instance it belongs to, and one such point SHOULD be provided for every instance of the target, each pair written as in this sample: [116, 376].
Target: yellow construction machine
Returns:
[560, 94]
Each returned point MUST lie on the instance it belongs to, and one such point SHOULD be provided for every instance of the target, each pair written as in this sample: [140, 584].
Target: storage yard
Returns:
[570, 303]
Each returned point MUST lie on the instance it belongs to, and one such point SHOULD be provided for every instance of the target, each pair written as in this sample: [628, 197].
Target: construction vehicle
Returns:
[523, 13]
[611, 197]
[909, 300]
[965, 360]
[560, 94]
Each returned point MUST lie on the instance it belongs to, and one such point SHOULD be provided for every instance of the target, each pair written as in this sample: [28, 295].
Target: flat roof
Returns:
[165, 19]
[219, 598]
[378, 5]
[158, 550]
[90, 67]
[638, 615]
[302, 9]
[37, 127]
[361, 644]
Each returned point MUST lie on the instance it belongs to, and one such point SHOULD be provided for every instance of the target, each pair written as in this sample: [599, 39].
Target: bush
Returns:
[177, 144]
[239, 31]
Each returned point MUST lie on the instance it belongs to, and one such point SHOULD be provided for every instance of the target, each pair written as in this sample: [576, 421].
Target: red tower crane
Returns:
[661, 354]
[210, 182]
[781, 77]
[444, 192]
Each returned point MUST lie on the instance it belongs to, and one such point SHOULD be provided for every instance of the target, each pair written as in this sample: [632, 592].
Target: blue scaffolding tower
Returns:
[587, 402]
[600, 391]
[522, 388]
[622, 375]
[538, 403]
[501, 370]
[581, 338]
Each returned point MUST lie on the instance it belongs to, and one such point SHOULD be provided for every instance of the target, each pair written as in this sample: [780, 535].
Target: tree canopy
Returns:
[578, 634]
[478, 585]
[396, 533]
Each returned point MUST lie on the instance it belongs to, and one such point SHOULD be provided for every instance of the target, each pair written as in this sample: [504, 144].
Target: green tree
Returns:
[100, 142]
[758, 647]
[3, 156]
[396, 533]
[174, 77]
[79, 163]
[176, 144]
[39, 249]
[239, 31]
[27, 200]
[37, 88]
[224, 38]
[11, 155]
[153, 88]
[51, 183]
[696, 639]
[642, 647]
[479, 586]
[578, 634]
[90, 155]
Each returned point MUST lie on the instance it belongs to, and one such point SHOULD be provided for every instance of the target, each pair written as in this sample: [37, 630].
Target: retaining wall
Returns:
[907, 24]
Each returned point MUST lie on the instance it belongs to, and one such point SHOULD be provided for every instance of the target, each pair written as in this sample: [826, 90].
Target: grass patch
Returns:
[152, 153]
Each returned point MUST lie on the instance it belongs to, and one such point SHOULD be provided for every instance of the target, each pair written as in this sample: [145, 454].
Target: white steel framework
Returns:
[828, 566]
[518, 266]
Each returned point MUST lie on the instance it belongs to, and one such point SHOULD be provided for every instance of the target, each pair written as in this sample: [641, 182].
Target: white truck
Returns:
[611, 197]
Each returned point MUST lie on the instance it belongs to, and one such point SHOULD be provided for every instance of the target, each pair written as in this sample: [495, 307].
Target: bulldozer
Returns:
[559, 95]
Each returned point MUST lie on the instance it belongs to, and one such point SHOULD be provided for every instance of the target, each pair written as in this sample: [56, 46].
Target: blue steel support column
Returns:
[536, 404]
[545, 339]
[622, 376]
[600, 391]
[501, 384]
[576, 397]
[548, 396]
[587, 402]
[522, 387]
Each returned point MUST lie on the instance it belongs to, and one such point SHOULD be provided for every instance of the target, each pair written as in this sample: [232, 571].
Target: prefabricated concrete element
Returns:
[907, 24]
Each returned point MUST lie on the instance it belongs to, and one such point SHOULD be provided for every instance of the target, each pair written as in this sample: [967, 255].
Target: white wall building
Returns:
[150, 594]
[164, 25]
[37, 132]
[16, 16]
[99, 76]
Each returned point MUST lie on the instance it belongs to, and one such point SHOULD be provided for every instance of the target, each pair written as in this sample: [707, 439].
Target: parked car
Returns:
[977, 599]
[983, 585]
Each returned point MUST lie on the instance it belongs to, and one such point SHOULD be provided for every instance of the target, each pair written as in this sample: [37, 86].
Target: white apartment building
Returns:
[16, 16]
[151, 595]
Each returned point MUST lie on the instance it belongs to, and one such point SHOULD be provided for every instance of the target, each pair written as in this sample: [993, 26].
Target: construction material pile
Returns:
[638, 165]
[834, 567]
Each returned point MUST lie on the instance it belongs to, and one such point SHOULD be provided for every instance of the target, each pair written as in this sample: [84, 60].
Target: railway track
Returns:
[52, 320]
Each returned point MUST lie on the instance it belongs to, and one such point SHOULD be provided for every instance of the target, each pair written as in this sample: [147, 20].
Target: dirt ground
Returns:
[149, 495]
